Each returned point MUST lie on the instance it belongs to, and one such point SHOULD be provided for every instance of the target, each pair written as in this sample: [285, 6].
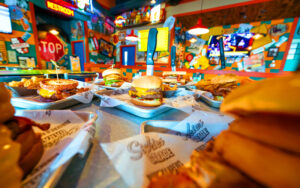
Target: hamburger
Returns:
[260, 148]
[57, 89]
[112, 77]
[174, 77]
[21, 149]
[146, 91]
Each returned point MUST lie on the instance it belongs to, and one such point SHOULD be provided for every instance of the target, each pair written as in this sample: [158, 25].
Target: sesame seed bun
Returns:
[147, 82]
[111, 71]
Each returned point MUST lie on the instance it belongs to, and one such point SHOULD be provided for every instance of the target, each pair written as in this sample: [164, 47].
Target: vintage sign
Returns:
[51, 47]
[59, 8]
[19, 45]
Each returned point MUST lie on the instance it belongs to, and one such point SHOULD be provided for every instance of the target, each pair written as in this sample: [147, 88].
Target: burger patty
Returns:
[149, 90]
[149, 97]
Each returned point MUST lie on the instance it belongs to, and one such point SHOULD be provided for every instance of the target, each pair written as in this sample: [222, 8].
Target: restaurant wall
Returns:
[22, 33]
[293, 57]
[266, 53]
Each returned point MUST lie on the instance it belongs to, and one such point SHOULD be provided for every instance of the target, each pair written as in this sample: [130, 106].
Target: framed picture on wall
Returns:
[141, 56]
[106, 48]
[273, 52]
[214, 60]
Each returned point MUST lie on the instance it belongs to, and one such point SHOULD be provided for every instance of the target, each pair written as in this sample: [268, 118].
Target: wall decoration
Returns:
[214, 61]
[75, 63]
[77, 30]
[273, 52]
[51, 48]
[120, 21]
[19, 45]
[59, 8]
[26, 61]
[122, 36]
[106, 48]
[12, 56]
[142, 16]
[162, 39]
[254, 63]
[278, 29]
[3, 50]
[31, 62]
[141, 56]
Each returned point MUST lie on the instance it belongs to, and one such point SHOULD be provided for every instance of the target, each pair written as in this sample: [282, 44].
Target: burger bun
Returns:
[111, 71]
[147, 82]
[147, 103]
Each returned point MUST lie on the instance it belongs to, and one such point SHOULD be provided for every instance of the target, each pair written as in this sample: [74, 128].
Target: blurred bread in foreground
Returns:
[266, 164]
[275, 95]
[261, 144]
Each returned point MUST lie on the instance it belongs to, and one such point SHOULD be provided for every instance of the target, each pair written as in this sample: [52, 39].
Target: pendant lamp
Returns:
[198, 29]
[132, 36]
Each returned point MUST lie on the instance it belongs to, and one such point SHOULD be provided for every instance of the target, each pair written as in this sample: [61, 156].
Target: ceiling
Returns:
[274, 9]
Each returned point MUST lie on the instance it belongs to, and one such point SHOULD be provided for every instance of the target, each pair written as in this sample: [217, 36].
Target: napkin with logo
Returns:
[200, 126]
[69, 134]
[139, 158]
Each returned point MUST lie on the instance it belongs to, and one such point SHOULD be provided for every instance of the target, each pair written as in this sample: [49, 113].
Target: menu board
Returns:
[162, 40]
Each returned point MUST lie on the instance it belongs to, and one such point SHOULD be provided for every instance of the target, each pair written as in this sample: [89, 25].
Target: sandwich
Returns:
[175, 77]
[146, 91]
[21, 148]
[219, 85]
[112, 77]
[57, 89]
[260, 148]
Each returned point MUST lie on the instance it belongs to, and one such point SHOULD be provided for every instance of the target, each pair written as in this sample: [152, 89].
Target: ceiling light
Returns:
[153, 2]
[54, 32]
[198, 29]
[132, 37]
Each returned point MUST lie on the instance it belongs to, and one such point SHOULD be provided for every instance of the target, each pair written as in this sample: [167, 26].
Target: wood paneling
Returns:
[271, 10]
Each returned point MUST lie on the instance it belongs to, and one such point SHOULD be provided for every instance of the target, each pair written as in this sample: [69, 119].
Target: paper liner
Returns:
[69, 134]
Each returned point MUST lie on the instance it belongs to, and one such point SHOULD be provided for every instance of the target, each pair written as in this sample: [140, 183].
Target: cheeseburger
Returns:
[57, 89]
[112, 77]
[21, 149]
[146, 91]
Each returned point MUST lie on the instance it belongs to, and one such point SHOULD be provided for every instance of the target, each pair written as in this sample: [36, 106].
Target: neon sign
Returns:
[61, 9]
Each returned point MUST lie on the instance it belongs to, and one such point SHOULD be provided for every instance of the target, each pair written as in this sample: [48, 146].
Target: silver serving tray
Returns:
[140, 111]
[30, 102]
[21, 91]
[159, 126]
[211, 102]
[144, 112]
[109, 87]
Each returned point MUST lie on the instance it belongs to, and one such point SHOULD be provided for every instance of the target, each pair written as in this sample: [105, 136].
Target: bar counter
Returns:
[95, 169]
[15, 75]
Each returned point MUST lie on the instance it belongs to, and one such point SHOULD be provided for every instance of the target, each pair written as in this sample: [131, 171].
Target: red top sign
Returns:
[51, 48]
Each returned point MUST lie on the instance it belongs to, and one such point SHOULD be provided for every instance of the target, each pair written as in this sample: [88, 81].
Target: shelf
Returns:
[140, 25]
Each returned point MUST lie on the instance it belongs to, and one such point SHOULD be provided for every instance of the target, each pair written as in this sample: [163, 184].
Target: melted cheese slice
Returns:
[46, 93]
[141, 92]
